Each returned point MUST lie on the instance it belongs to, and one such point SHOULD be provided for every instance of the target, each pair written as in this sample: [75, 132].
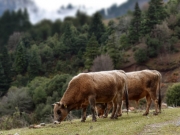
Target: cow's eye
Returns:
[58, 112]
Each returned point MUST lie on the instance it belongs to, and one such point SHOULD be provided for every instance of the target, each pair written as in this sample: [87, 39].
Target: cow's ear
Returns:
[64, 106]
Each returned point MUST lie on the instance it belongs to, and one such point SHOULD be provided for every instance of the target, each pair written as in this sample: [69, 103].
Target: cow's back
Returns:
[140, 82]
[104, 86]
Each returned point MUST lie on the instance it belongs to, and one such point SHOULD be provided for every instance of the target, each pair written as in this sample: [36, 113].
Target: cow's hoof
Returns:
[119, 115]
[145, 114]
[111, 117]
[104, 116]
[82, 120]
[94, 120]
[155, 113]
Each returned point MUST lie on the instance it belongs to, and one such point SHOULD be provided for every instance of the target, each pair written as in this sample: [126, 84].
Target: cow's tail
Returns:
[126, 97]
[159, 99]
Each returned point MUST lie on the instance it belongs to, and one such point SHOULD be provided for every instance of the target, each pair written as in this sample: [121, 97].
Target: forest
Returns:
[37, 61]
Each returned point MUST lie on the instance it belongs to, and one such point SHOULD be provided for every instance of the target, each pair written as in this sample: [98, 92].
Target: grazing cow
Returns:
[91, 88]
[145, 83]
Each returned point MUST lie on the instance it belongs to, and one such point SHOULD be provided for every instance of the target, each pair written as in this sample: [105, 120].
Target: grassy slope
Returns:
[131, 124]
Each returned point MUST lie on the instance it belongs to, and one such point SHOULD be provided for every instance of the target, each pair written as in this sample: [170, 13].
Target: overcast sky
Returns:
[56, 4]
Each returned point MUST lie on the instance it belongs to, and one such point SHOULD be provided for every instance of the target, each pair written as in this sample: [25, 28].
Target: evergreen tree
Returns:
[34, 63]
[4, 83]
[20, 59]
[68, 39]
[135, 25]
[6, 64]
[114, 52]
[155, 15]
[97, 27]
[91, 51]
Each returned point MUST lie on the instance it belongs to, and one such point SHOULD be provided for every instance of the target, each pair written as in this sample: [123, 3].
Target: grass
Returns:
[169, 130]
[131, 124]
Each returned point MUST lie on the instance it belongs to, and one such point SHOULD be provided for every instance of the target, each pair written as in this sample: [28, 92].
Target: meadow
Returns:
[131, 124]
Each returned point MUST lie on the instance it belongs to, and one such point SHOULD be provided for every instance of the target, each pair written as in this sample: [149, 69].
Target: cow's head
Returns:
[60, 111]
[100, 108]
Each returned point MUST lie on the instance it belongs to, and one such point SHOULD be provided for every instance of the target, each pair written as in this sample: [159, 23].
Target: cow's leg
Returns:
[84, 114]
[107, 110]
[113, 109]
[92, 105]
[154, 98]
[148, 103]
[120, 110]
[119, 104]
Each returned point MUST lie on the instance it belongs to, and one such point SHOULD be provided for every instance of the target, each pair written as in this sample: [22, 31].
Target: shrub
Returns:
[16, 97]
[173, 95]
[102, 63]
[16, 120]
[141, 56]
[153, 45]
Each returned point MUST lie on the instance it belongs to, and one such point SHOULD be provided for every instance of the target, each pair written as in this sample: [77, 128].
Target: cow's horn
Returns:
[57, 103]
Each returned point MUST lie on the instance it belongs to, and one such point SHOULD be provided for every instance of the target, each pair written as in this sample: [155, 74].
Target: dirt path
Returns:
[153, 128]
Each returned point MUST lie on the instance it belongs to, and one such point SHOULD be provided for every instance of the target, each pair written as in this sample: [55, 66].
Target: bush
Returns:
[13, 121]
[173, 95]
[141, 56]
[16, 97]
[57, 84]
[102, 63]
[153, 47]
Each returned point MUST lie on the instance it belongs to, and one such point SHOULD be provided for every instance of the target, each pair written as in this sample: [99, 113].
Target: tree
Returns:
[20, 59]
[34, 63]
[102, 63]
[97, 27]
[91, 51]
[68, 39]
[155, 15]
[6, 65]
[135, 25]
[4, 84]
[113, 50]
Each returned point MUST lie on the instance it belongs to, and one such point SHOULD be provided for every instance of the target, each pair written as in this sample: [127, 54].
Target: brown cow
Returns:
[89, 88]
[145, 83]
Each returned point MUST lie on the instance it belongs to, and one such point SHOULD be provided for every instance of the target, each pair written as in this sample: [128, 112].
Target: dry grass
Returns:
[132, 124]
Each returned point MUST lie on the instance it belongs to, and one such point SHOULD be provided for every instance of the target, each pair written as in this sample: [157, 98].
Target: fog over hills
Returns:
[37, 14]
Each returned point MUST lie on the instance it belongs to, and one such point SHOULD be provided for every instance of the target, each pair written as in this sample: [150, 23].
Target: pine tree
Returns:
[4, 84]
[34, 63]
[68, 38]
[6, 63]
[97, 27]
[135, 26]
[91, 51]
[113, 51]
[20, 59]
[155, 15]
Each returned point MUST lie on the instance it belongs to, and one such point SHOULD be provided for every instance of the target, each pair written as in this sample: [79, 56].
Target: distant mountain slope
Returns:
[115, 10]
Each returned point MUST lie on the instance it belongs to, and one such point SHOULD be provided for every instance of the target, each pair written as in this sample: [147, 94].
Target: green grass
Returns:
[130, 124]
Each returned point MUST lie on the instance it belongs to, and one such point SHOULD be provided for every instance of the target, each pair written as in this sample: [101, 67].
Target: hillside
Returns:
[119, 10]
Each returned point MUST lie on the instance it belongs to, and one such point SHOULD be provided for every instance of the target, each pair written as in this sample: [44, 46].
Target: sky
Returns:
[56, 4]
